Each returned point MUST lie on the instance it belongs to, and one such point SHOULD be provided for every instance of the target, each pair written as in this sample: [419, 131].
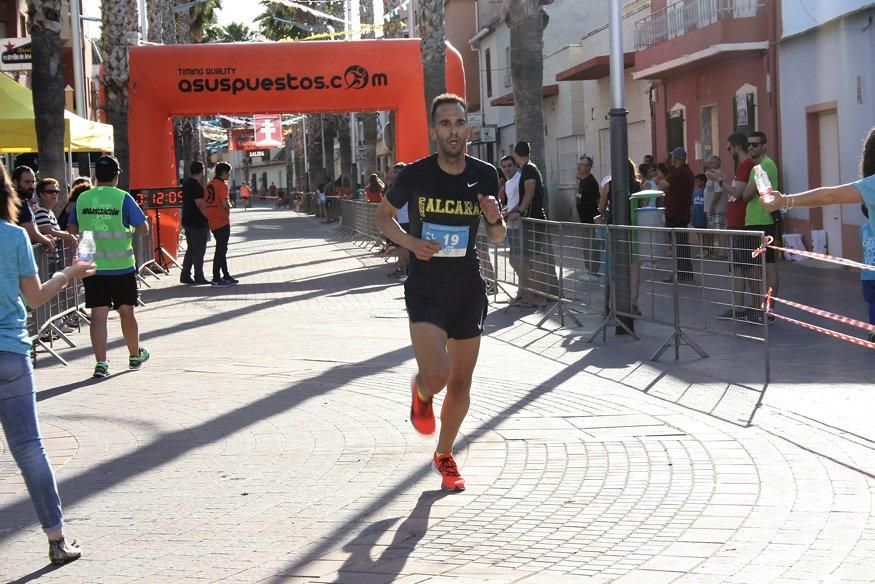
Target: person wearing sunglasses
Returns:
[757, 217]
[47, 192]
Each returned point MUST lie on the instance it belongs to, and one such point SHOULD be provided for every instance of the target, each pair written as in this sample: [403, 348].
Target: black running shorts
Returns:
[457, 306]
[112, 291]
[769, 230]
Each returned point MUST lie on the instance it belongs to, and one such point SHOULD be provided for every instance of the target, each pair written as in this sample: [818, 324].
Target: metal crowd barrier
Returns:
[703, 280]
[144, 255]
[357, 219]
[43, 324]
[67, 307]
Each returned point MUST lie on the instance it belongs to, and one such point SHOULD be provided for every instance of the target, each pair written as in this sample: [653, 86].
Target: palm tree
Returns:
[328, 123]
[526, 21]
[120, 18]
[279, 22]
[394, 27]
[434, 50]
[369, 119]
[201, 17]
[155, 16]
[344, 136]
[233, 33]
[168, 21]
[48, 83]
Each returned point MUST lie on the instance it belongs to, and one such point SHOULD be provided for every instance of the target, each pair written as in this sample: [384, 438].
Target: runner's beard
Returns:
[449, 154]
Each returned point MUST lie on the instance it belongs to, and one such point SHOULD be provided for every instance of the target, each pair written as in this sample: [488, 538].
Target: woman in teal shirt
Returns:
[19, 280]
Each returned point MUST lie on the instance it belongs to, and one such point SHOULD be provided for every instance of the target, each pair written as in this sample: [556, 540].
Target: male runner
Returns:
[445, 295]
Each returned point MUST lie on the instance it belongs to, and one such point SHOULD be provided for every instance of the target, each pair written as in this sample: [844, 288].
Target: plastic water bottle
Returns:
[87, 248]
[764, 185]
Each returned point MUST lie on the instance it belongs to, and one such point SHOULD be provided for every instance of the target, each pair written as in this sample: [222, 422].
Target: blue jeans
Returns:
[18, 416]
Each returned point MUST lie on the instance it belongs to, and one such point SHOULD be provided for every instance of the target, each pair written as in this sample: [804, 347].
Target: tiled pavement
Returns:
[267, 440]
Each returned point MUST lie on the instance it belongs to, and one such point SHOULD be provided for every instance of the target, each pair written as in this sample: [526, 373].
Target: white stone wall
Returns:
[822, 66]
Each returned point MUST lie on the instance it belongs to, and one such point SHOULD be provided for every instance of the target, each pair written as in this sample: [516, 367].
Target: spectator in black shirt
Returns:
[587, 209]
[24, 181]
[534, 234]
[194, 222]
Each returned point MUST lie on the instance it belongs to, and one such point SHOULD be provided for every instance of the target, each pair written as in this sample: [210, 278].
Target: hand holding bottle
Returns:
[87, 248]
[764, 185]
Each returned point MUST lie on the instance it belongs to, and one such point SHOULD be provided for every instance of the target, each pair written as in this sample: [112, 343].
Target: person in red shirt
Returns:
[246, 194]
[374, 190]
[217, 208]
[736, 206]
[678, 187]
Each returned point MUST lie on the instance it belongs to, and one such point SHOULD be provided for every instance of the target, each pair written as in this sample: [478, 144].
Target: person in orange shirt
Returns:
[374, 190]
[245, 194]
[217, 208]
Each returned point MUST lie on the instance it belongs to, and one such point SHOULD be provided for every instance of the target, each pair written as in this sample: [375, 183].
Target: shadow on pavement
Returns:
[37, 574]
[173, 445]
[390, 563]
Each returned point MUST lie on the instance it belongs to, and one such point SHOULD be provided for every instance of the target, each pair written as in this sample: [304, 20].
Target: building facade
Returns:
[576, 94]
[826, 79]
[711, 64]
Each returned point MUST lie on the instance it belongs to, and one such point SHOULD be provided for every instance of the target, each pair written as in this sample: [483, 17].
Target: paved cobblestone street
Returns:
[267, 440]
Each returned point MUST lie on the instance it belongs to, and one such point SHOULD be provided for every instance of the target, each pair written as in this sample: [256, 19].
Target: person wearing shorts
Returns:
[446, 194]
[742, 245]
[112, 215]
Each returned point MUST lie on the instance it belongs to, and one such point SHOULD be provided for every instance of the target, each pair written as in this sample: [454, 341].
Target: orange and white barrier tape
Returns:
[768, 240]
[827, 332]
[817, 311]
[767, 306]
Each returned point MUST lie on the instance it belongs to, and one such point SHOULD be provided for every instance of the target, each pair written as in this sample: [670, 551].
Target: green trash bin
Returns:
[642, 199]
[651, 245]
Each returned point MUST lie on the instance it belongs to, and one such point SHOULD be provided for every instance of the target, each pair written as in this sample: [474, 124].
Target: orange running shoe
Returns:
[451, 480]
[421, 414]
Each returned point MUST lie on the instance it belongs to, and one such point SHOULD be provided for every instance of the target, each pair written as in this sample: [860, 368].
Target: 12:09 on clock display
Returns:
[169, 198]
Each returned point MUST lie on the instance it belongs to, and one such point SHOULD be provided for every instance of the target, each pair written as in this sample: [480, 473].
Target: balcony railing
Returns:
[689, 15]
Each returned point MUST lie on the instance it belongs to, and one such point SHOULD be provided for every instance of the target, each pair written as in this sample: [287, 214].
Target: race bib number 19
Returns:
[453, 239]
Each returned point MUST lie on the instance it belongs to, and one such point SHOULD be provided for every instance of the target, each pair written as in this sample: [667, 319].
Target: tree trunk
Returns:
[526, 24]
[369, 129]
[345, 137]
[155, 16]
[290, 161]
[48, 94]
[314, 153]
[120, 24]
[369, 119]
[329, 131]
[434, 52]
[247, 169]
[185, 130]
[168, 22]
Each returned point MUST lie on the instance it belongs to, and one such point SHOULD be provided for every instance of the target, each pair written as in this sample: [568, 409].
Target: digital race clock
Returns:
[169, 198]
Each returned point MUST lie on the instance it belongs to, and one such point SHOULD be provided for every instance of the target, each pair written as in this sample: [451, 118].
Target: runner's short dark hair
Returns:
[222, 168]
[522, 149]
[196, 167]
[758, 134]
[507, 157]
[21, 170]
[737, 139]
[446, 98]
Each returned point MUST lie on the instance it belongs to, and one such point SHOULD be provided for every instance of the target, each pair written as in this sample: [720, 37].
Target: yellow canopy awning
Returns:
[18, 132]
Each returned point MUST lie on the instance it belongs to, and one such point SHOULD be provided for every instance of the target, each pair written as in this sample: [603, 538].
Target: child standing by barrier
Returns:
[700, 221]
[867, 238]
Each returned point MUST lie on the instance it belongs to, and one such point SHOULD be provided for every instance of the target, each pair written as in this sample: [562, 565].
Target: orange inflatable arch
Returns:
[295, 77]
[255, 78]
